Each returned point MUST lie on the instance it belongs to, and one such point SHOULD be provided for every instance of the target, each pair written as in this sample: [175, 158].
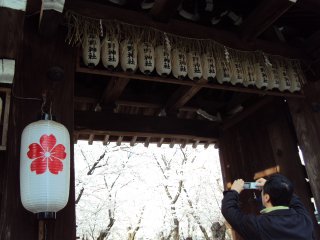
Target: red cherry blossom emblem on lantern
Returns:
[46, 155]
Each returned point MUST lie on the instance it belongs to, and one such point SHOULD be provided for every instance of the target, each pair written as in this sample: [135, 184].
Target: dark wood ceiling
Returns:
[125, 107]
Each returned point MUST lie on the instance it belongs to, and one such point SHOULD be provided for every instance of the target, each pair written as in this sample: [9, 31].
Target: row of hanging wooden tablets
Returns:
[143, 55]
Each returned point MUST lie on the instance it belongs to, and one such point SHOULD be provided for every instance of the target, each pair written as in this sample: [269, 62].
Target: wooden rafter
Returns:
[147, 142]
[195, 144]
[163, 10]
[263, 17]
[133, 141]
[91, 138]
[250, 110]
[153, 126]
[184, 143]
[178, 27]
[182, 95]
[160, 142]
[106, 139]
[114, 89]
[119, 141]
[173, 141]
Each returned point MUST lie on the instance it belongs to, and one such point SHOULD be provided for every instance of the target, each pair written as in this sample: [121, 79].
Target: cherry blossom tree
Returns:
[148, 193]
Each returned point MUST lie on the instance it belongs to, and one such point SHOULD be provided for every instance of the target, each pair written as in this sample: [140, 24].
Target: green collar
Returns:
[270, 209]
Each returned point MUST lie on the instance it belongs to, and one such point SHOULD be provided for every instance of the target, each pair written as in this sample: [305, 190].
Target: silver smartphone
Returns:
[250, 185]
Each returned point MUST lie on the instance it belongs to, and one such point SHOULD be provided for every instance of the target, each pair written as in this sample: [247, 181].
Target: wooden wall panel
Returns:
[262, 143]
[34, 60]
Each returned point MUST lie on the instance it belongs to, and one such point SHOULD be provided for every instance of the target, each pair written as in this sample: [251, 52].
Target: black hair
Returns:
[280, 190]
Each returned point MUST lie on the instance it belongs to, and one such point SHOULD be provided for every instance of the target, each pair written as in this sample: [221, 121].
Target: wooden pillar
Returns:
[35, 58]
[306, 119]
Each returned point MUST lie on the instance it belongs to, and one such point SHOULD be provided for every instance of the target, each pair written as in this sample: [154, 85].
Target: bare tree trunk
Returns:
[203, 230]
[105, 233]
[138, 224]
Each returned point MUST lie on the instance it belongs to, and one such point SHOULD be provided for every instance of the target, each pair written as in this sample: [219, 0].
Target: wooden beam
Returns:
[114, 90]
[250, 110]
[133, 141]
[263, 17]
[11, 32]
[137, 104]
[102, 121]
[163, 10]
[169, 80]
[84, 134]
[182, 95]
[177, 27]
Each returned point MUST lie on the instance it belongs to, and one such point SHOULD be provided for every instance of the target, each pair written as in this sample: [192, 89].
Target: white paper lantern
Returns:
[209, 70]
[179, 63]
[262, 76]
[295, 79]
[223, 72]
[163, 60]
[45, 167]
[129, 52]
[238, 75]
[274, 80]
[194, 65]
[91, 50]
[146, 57]
[110, 52]
[285, 82]
[250, 76]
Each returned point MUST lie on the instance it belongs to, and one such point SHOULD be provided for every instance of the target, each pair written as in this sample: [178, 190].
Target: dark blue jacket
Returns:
[286, 224]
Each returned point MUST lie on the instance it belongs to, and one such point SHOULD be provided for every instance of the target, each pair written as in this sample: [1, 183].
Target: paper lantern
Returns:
[110, 52]
[295, 79]
[194, 65]
[209, 70]
[223, 72]
[91, 50]
[146, 57]
[285, 83]
[179, 63]
[238, 75]
[274, 80]
[45, 167]
[163, 60]
[262, 76]
[129, 52]
[250, 76]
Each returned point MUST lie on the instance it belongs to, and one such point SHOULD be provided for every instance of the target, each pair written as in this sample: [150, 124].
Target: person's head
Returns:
[277, 191]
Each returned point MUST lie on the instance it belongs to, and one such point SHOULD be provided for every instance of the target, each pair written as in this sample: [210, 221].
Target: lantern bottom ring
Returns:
[46, 215]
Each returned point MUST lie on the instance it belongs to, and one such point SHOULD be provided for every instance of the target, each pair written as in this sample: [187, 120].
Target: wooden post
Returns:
[306, 119]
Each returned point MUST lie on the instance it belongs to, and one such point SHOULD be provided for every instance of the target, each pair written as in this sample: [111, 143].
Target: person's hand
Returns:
[260, 183]
[238, 185]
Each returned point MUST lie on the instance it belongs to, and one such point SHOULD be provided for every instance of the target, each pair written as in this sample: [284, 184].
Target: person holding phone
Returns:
[284, 216]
